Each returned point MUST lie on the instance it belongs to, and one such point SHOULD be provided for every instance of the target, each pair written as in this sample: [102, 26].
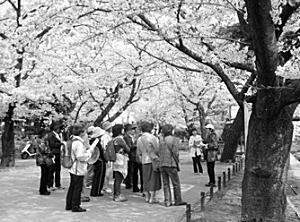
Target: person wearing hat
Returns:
[131, 181]
[212, 148]
[107, 127]
[100, 164]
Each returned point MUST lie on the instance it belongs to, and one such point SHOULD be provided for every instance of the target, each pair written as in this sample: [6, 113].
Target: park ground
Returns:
[20, 200]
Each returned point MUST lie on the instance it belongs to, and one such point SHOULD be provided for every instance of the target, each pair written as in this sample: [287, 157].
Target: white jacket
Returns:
[195, 144]
[80, 155]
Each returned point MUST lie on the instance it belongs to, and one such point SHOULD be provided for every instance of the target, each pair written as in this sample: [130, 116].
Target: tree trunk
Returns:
[8, 139]
[231, 136]
[268, 146]
[202, 117]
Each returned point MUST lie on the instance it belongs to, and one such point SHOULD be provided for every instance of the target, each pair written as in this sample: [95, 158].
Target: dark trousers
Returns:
[211, 172]
[98, 178]
[128, 179]
[168, 173]
[74, 191]
[55, 171]
[137, 168]
[45, 170]
[117, 183]
[197, 164]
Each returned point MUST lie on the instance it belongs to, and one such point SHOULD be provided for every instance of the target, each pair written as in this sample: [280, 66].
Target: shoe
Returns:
[68, 208]
[78, 209]
[120, 198]
[45, 193]
[208, 185]
[85, 199]
[213, 185]
[180, 203]
[107, 190]
[153, 201]
[167, 204]
[60, 188]
[97, 195]
[88, 187]
[51, 188]
[128, 186]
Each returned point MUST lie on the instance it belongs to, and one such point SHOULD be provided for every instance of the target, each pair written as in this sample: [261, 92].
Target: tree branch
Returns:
[242, 66]
[264, 40]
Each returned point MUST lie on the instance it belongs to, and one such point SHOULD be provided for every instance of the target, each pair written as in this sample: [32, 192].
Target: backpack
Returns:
[66, 155]
[110, 153]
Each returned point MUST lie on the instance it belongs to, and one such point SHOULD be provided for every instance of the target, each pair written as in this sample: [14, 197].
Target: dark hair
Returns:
[117, 130]
[194, 129]
[167, 130]
[146, 127]
[55, 125]
[77, 129]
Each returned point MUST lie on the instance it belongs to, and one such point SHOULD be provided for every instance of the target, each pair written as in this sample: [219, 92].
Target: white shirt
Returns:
[195, 144]
[105, 139]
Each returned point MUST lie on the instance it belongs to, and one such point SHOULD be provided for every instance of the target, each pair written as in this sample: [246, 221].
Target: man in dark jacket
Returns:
[134, 167]
[55, 142]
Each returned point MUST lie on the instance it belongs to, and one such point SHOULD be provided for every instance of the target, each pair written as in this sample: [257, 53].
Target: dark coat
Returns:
[132, 146]
[54, 143]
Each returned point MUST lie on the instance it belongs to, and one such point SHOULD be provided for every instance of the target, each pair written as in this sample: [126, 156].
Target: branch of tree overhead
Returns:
[181, 47]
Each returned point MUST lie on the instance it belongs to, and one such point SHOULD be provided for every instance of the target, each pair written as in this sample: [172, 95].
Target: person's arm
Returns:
[81, 153]
[104, 141]
[175, 147]
[138, 151]
[120, 141]
[213, 144]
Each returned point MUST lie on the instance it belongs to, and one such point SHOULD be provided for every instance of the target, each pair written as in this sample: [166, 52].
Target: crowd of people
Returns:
[143, 159]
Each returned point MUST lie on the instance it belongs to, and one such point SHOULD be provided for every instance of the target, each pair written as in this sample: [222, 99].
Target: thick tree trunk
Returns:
[8, 139]
[231, 136]
[268, 146]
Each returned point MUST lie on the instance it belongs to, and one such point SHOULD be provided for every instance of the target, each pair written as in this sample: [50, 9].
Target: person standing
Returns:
[169, 159]
[55, 143]
[134, 168]
[44, 160]
[147, 154]
[195, 145]
[99, 165]
[80, 155]
[107, 127]
[212, 148]
[120, 165]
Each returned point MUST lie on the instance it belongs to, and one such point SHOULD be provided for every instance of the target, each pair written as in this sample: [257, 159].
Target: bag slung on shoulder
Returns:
[110, 153]
[66, 155]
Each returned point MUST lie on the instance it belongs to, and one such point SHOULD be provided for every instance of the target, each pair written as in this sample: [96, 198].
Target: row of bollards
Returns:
[222, 180]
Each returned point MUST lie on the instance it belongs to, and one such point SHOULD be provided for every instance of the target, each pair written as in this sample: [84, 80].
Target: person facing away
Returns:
[120, 165]
[80, 155]
[55, 143]
[195, 145]
[212, 148]
[169, 158]
[134, 168]
[147, 152]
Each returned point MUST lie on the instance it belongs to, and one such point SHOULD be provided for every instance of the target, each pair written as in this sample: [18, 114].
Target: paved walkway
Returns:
[20, 201]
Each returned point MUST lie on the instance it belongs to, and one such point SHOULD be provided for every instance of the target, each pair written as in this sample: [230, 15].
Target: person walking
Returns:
[44, 160]
[99, 165]
[55, 143]
[120, 165]
[147, 154]
[195, 145]
[80, 155]
[212, 149]
[169, 163]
